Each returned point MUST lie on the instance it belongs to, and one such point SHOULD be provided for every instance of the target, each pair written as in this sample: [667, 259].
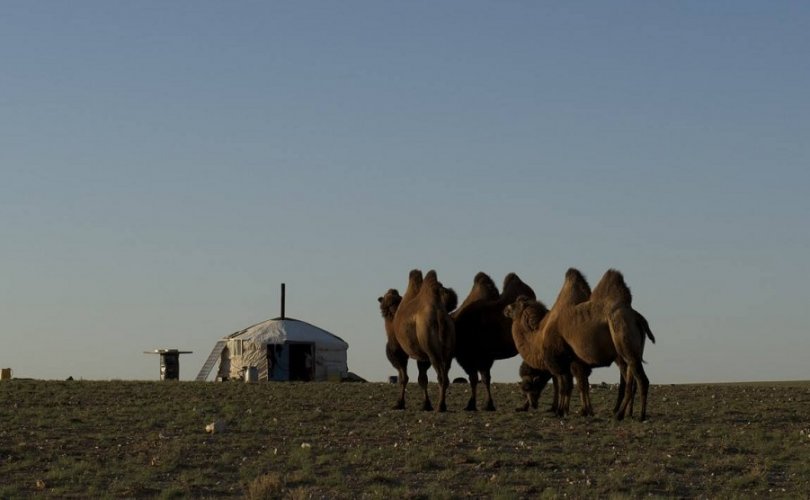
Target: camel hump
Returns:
[483, 289]
[513, 287]
[482, 277]
[415, 277]
[431, 277]
[575, 288]
[432, 286]
[486, 284]
[414, 284]
[612, 289]
[574, 275]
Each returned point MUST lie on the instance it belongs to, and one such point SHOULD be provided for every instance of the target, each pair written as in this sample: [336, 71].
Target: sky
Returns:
[165, 166]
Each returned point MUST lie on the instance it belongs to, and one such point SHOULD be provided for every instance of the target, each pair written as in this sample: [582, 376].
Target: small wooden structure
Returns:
[169, 362]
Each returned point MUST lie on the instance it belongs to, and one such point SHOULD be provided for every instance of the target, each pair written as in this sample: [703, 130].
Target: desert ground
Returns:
[80, 439]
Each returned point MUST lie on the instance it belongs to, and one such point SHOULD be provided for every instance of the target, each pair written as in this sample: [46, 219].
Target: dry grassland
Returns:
[82, 439]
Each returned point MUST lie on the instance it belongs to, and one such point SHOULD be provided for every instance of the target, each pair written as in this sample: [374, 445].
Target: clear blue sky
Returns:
[166, 165]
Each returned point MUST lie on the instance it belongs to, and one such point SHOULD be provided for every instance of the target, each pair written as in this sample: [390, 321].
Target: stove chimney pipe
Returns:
[282, 300]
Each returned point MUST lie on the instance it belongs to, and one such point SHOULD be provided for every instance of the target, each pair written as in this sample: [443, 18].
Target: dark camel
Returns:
[483, 334]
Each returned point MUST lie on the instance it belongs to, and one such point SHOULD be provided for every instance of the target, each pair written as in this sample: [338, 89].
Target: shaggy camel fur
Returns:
[419, 327]
[575, 338]
[483, 334]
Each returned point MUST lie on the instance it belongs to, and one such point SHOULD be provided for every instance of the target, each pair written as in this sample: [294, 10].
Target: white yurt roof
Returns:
[278, 330]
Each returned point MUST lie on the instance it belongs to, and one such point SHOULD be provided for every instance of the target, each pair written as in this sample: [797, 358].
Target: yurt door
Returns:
[302, 361]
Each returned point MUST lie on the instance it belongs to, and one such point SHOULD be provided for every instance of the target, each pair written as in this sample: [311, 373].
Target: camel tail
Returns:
[612, 289]
[645, 326]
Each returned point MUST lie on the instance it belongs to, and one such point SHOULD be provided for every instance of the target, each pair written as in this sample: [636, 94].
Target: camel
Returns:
[418, 326]
[483, 334]
[572, 339]
[532, 383]
[534, 380]
[576, 290]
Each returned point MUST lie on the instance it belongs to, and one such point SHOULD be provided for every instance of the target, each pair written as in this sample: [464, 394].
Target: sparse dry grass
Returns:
[148, 439]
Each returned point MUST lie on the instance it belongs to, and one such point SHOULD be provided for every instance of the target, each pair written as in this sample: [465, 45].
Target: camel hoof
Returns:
[426, 406]
[471, 406]
[620, 416]
[490, 406]
[442, 408]
[400, 405]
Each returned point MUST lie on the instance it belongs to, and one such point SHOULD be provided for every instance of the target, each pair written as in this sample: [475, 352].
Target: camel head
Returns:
[389, 303]
[449, 298]
[526, 310]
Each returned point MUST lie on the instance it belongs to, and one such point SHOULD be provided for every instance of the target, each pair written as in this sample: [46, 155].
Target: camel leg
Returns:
[443, 375]
[526, 387]
[402, 378]
[534, 398]
[444, 383]
[487, 379]
[540, 383]
[623, 406]
[555, 398]
[566, 387]
[472, 403]
[581, 372]
[623, 329]
[622, 384]
[632, 388]
[399, 360]
[423, 383]
[644, 384]
[635, 372]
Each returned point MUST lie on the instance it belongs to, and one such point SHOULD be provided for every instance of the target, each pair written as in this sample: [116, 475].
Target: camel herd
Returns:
[584, 329]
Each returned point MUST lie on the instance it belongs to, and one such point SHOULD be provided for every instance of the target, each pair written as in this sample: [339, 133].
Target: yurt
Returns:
[281, 349]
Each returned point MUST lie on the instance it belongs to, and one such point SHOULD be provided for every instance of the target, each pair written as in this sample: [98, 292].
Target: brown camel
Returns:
[484, 335]
[576, 290]
[418, 326]
[533, 381]
[575, 338]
